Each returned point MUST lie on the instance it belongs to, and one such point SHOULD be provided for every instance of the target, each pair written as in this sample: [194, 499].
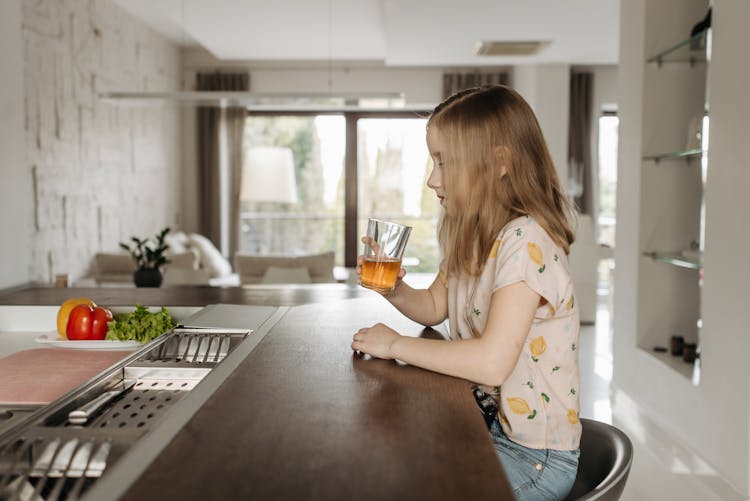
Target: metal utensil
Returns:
[82, 414]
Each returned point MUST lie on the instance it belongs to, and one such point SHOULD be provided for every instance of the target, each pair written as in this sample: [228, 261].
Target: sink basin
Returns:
[58, 451]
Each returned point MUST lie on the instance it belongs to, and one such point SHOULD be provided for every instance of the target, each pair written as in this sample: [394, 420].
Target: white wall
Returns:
[703, 453]
[547, 89]
[16, 204]
[726, 317]
[102, 171]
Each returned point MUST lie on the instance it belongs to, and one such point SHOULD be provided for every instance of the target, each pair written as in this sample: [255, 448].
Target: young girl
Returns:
[503, 284]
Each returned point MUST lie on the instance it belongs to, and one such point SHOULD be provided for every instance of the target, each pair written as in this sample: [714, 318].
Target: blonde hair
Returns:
[496, 167]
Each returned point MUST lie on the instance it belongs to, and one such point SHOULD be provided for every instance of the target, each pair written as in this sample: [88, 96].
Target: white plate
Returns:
[55, 340]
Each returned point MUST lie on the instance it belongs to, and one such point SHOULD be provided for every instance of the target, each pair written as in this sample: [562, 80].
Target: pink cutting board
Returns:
[41, 375]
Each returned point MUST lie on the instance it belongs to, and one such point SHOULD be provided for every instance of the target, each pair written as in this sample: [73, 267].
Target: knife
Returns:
[83, 413]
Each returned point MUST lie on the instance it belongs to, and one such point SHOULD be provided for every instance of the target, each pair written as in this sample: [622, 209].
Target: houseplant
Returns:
[149, 257]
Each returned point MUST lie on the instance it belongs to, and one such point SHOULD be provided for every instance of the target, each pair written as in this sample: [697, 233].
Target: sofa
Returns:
[281, 269]
[193, 260]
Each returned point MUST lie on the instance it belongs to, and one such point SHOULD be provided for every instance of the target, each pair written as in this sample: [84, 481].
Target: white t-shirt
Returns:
[538, 402]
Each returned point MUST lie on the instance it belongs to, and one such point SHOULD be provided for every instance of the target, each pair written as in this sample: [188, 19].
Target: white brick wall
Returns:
[102, 171]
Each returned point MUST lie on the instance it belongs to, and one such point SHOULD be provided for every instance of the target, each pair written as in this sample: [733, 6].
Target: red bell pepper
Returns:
[87, 323]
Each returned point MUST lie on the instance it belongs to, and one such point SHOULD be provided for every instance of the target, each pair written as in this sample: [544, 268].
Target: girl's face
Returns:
[436, 179]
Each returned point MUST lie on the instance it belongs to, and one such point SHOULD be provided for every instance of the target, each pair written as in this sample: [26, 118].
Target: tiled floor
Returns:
[595, 359]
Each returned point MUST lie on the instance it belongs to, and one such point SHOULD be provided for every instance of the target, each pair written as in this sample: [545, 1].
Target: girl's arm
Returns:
[425, 306]
[488, 359]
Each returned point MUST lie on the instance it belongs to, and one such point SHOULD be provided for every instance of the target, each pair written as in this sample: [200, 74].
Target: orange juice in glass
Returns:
[383, 251]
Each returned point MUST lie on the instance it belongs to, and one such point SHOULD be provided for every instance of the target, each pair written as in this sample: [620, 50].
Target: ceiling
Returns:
[399, 33]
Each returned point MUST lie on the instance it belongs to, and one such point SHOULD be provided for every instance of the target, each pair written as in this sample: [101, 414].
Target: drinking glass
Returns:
[383, 252]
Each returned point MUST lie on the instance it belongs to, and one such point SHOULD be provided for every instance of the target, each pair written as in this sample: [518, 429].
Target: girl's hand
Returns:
[376, 341]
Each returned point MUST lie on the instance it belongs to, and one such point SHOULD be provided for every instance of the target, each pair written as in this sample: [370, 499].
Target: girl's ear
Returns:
[502, 156]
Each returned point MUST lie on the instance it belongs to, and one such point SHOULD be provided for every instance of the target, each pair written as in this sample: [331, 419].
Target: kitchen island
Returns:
[303, 417]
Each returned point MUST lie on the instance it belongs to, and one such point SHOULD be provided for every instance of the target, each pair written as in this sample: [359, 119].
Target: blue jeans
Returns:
[534, 474]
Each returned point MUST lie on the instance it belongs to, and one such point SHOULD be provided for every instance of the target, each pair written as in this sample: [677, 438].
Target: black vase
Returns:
[147, 277]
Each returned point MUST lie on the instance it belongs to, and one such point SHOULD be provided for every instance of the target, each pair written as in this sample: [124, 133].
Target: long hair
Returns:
[496, 167]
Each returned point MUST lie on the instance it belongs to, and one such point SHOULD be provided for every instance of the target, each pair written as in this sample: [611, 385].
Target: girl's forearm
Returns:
[419, 305]
[469, 359]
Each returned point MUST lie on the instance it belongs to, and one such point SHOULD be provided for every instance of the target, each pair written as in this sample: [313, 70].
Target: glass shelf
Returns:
[692, 50]
[687, 154]
[693, 263]
[691, 371]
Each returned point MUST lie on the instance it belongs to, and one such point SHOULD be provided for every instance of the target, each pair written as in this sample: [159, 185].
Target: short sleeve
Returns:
[442, 273]
[527, 254]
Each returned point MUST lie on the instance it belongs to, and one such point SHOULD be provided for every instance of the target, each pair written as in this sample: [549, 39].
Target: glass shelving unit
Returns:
[693, 50]
[682, 65]
[676, 260]
[691, 371]
[675, 155]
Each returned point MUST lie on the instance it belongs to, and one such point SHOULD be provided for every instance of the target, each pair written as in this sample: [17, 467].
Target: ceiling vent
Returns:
[496, 48]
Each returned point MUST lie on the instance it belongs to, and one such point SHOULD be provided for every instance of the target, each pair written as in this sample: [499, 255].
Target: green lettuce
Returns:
[141, 325]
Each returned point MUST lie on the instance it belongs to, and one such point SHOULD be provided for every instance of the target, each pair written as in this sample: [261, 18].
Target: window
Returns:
[348, 166]
[313, 222]
[608, 139]
[392, 169]
[608, 143]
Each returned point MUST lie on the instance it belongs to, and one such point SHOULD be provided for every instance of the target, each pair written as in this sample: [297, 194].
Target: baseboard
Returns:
[663, 466]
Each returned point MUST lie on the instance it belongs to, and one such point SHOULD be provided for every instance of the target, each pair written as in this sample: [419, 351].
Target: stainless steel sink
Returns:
[12, 415]
[58, 451]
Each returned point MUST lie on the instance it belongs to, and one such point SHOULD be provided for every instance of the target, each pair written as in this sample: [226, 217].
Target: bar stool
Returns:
[604, 464]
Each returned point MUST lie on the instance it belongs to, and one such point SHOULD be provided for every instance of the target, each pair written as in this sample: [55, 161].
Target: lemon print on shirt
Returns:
[571, 303]
[493, 250]
[537, 347]
[520, 406]
[535, 253]
[572, 416]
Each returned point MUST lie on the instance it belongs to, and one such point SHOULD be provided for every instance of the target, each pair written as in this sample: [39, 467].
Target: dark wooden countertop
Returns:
[302, 417]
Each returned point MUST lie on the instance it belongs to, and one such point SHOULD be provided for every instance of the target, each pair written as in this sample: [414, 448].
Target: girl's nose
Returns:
[434, 181]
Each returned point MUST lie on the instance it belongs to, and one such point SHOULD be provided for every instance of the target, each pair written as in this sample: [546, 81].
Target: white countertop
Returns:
[20, 326]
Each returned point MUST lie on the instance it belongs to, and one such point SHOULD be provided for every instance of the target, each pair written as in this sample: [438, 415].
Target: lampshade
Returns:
[268, 175]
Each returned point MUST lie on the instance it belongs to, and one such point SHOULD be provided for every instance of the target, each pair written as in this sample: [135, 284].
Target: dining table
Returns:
[302, 416]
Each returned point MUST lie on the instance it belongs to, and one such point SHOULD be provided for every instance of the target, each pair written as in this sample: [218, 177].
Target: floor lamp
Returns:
[268, 176]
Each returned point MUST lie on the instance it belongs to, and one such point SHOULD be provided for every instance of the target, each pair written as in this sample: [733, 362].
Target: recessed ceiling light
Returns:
[506, 48]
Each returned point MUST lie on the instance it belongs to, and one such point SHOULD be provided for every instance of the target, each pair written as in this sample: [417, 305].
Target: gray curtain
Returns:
[580, 173]
[209, 158]
[454, 82]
